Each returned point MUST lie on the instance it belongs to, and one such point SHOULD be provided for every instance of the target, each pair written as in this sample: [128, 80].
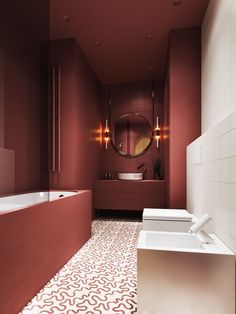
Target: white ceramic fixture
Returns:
[168, 240]
[131, 176]
[159, 219]
[181, 242]
[178, 274]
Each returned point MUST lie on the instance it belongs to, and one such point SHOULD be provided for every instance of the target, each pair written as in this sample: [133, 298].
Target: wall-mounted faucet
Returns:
[142, 166]
[198, 229]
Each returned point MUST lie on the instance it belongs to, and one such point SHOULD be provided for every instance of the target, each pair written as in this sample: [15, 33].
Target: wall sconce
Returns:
[106, 134]
[156, 129]
[157, 132]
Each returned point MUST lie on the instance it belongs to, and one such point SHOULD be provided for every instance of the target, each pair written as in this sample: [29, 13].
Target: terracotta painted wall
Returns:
[2, 129]
[22, 127]
[7, 170]
[166, 135]
[184, 106]
[23, 101]
[132, 98]
[81, 118]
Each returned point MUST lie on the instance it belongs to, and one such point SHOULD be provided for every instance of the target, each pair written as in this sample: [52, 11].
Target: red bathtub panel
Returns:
[36, 242]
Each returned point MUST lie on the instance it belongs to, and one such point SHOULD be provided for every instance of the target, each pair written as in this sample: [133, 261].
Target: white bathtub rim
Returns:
[48, 197]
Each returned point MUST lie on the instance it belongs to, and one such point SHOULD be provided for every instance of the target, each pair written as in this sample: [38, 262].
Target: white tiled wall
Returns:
[211, 178]
[218, 62]
[211, 159]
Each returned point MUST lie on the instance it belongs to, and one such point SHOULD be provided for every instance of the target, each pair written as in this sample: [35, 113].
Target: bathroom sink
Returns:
[180, 242]
[131, 176]
[165, 240]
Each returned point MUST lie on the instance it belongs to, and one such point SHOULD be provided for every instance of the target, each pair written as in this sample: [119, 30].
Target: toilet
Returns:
[161, 219]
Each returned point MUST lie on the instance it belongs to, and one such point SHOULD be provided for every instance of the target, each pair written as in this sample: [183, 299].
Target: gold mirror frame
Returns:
[141, 137]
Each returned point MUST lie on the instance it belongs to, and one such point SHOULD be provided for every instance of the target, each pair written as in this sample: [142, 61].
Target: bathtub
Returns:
[39, 233]
[20, 201]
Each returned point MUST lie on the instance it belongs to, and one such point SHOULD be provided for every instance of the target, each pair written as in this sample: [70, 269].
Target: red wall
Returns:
[183, 105]
[23, 101]
[22, 127]
[132, 98]
[81, 118]
[166, 136]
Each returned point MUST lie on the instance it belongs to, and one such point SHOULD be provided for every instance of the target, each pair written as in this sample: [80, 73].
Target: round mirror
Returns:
[131, 135]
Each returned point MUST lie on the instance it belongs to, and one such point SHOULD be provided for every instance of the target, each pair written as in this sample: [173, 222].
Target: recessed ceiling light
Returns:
[66, 18]
[97, 43]
[177, 2]
[149, 37]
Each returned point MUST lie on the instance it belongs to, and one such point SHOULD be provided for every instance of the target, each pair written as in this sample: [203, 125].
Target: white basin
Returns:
[133, 176]
[180, 242]
[171, 240]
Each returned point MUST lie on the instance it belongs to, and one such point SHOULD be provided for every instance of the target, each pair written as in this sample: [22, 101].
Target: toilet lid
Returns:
[166, 214]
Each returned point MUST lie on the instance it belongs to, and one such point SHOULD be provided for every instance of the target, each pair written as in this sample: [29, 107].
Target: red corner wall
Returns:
[81, 118]
[183, 106]
[133, 98]
[22, 94]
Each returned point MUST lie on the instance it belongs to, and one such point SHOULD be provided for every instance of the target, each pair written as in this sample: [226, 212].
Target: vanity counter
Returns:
[129, 195]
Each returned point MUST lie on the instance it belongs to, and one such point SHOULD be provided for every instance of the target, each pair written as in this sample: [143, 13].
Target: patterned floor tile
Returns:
[99, 279]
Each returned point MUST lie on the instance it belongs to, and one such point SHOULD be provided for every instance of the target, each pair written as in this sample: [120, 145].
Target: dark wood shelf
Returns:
[129, 195]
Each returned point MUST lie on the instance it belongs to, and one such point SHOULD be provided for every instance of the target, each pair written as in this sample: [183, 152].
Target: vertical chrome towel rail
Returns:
[59, 119]
[55, 118]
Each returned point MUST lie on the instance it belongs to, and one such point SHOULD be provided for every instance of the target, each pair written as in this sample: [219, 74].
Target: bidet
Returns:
[187, 276]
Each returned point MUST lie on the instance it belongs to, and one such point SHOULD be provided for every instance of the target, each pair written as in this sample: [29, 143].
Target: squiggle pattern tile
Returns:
[100, 278]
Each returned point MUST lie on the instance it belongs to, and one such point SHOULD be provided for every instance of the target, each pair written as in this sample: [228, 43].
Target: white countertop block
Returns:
[195, 278]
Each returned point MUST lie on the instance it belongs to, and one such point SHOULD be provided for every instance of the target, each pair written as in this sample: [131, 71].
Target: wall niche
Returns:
[132, 98]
